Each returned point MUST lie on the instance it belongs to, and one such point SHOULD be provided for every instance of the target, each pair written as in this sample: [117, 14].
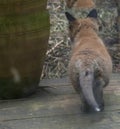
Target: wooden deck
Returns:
[58, 107]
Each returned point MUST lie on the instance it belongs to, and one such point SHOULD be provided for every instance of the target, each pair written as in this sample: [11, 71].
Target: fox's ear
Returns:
[93, 14]
[70, 17]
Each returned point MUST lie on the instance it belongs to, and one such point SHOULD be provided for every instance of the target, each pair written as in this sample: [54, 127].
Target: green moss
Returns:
[21, 1]
[16, 23]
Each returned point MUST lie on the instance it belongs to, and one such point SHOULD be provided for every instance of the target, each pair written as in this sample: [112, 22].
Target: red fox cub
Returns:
[90, 65]
[80, 3]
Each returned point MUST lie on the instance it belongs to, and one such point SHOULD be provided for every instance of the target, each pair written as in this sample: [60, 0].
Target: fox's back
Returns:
[90, 52]
[92, 45]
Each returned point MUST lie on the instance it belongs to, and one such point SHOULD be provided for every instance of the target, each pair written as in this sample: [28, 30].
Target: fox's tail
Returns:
[86, 79]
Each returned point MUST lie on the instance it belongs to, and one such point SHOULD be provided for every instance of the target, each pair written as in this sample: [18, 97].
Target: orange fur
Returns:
[88, 51]
[90, 65]
[80, 3]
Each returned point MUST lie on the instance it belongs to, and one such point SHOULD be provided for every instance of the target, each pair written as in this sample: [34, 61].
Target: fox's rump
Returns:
[91, 54]
[86, 75]
[85, 61]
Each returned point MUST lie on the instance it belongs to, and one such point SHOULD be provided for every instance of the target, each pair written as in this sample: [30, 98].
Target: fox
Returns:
[90, 64]
[80, 3]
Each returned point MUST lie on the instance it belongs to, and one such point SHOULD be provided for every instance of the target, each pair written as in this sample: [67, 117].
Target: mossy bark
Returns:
[24, 32]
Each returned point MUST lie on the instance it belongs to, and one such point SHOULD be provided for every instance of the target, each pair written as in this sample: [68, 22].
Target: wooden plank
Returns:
[78, 121]
[113, 86]
[52, 105]
[115, 79]
[58, 107]
[55, 82]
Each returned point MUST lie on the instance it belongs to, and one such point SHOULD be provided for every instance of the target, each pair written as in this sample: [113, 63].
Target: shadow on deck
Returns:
[58, 107]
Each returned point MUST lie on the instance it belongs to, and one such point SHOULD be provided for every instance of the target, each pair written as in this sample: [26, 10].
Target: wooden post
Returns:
[24, 32]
